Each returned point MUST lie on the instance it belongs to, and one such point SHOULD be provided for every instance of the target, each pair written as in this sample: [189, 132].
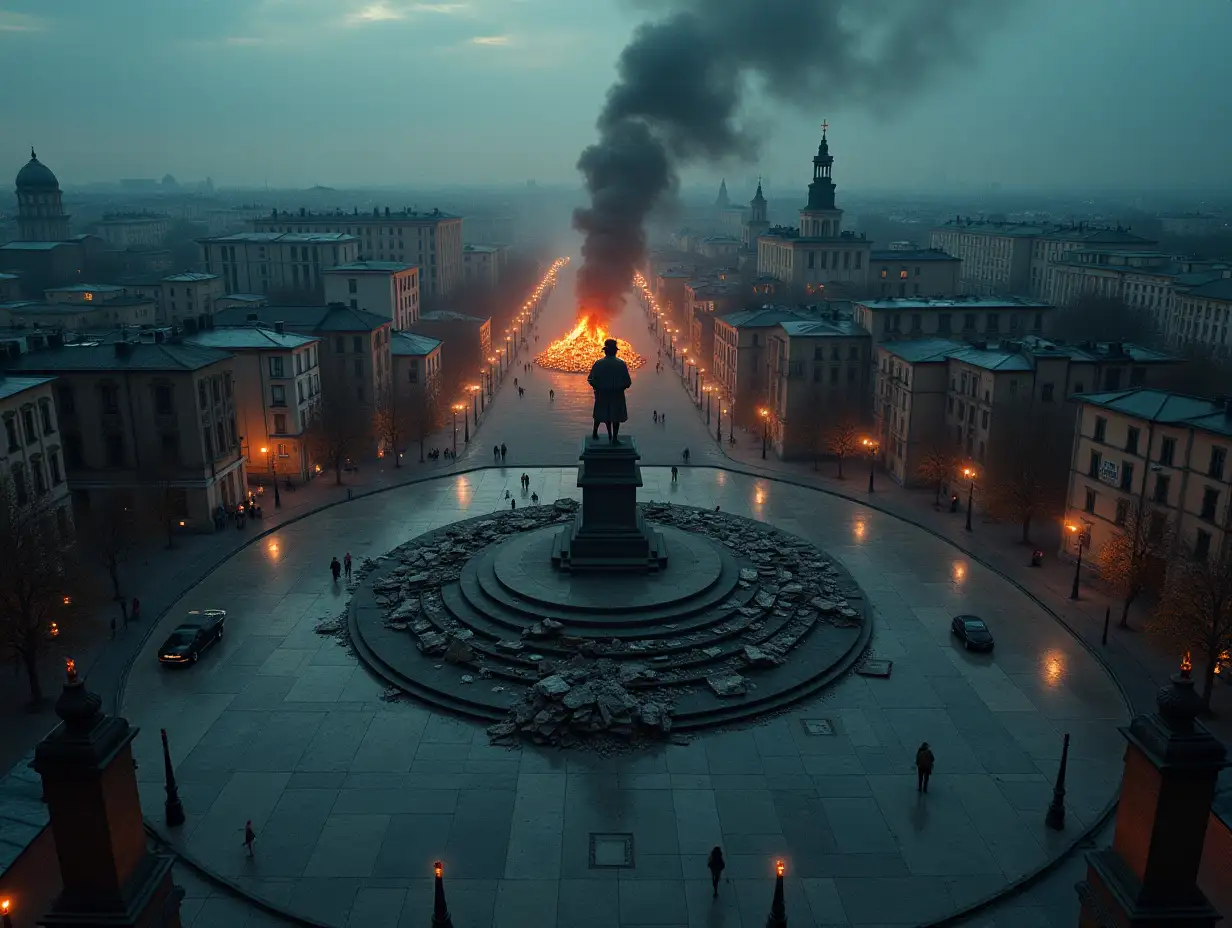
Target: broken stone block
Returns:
[459, 652]
[759, 658]
[553, 687]
[509, 646]
[502, 729]
[431, 642]
[467, 678]
[726, 685]
[579, 697]
[747, 573]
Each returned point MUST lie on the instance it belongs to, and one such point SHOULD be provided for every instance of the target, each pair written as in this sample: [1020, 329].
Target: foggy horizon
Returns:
[395, 94]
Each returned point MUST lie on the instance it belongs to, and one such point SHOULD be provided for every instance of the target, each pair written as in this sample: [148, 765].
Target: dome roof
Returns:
[36, 176]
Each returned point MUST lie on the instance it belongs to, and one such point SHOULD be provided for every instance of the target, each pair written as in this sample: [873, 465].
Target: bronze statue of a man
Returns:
[609, 378]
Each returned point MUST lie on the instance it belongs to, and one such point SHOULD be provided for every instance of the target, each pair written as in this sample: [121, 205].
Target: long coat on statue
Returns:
[609, 377]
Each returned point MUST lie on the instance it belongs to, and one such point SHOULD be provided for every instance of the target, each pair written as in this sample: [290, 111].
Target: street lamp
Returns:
[1080, 539]
[709, 391]
[701, 383]
[873, 446]
[765, 429]
[456, 408]
[475, 391]
[273, 475]
[718, 412]
[969, 473]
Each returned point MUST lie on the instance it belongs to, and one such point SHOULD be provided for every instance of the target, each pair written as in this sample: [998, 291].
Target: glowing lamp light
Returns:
[182, 523]
[264, 450]
[67, 600]
[779, 868]
[70, 670]
[1186, 665]
[53, 630]
[438, 869]
[763, 412]
[968, 471]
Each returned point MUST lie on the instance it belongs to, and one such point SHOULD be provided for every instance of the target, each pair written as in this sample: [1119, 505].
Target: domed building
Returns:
[40, 209]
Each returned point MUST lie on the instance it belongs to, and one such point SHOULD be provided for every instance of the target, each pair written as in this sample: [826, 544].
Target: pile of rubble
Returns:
[586, 698]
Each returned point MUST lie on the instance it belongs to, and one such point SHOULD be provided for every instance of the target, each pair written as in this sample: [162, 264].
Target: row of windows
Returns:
[1167, 447]
[1159, 521]
[38, 476]
[13, 432]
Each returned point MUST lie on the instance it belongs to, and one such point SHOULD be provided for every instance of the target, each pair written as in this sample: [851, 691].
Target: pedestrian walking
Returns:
[923, 767]
[656, 416]
[552, 395]
[515, 380]
[675, 473]
[335, 568]
[136, 610]
[503, 451]
[250, 837]
[513, 504]
[716, 864]
[521, 392]
[534, 498]
[346, 566]
[686, 455]
[662, 418]
[496, 452]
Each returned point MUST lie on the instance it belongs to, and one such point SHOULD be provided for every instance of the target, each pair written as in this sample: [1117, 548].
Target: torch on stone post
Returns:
[1055, 819]
[440, 911]
[173, 807]
[778, 908]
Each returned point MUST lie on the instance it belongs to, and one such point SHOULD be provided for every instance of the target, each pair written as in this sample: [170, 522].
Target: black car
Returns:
[972, 632]
[185, 644]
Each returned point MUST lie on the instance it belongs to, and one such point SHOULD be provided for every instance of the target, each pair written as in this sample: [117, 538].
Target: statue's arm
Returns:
[628, 381]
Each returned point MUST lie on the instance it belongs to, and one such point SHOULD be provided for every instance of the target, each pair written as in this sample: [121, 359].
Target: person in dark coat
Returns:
[335, 568]
[715, 863]
[923, 767]
[609, 378]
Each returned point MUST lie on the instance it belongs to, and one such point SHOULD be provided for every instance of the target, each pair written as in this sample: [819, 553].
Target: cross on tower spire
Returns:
[824, 126]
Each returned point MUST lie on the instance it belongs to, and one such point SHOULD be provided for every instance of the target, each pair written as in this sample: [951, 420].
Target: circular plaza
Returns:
[355, 785]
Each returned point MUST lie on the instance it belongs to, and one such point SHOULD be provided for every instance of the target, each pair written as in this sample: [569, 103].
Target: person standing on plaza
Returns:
[923, 767]
[552, 396]
[503, 451]
[496, 452]
[250, 837]
[346, 566]
[686, 455]
[335, 568]
[716, 865]
[675, 473]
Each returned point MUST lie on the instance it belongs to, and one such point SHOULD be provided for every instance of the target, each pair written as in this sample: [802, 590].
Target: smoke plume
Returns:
[683, 78]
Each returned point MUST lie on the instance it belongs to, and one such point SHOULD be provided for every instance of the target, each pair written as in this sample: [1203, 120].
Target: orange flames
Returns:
[581, 347]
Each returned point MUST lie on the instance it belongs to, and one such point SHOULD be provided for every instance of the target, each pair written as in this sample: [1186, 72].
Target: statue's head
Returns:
[609, 347]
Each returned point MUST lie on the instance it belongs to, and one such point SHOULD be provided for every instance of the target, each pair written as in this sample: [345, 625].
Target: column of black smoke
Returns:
[683, 77]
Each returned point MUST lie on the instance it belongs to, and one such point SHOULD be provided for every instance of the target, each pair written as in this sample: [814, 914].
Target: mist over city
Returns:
[612, 463]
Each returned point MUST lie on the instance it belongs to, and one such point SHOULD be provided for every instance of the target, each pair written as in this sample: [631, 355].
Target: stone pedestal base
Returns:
[608, 533]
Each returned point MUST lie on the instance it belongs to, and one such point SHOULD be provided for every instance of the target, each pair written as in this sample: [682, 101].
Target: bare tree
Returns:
[35, 573]
[1024, 481]
[110, 535]
[388, 422]
[936, 467]
[843, 440]
[423, 416]
[1129, 560]
[334, 433]
[1195, 611]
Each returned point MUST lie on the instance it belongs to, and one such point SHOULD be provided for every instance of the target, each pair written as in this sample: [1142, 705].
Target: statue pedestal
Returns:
[608, 533]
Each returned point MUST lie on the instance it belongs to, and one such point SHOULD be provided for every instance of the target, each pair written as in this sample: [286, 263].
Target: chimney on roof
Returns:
[252, 317]
[278, 327]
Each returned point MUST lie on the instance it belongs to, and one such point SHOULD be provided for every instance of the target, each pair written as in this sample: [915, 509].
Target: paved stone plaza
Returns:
[353, 797]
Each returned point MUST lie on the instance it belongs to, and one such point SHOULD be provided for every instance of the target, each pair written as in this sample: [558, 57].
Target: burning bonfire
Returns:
[576, 351]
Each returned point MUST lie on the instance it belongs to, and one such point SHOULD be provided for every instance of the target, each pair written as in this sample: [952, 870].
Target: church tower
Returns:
[757, 224]
[722, 201]
[40, 209]
[820, 218]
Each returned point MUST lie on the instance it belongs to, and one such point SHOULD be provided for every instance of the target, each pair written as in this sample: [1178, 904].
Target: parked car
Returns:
[185, 644]
[972, 632]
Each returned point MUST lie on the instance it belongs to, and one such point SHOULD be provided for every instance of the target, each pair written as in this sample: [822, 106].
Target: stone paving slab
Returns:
[841, 809]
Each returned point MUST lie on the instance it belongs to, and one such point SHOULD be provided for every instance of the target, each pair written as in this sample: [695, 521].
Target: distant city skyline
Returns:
[394, 93]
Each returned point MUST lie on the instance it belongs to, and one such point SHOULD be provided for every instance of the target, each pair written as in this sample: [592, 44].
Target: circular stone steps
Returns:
[743, 585]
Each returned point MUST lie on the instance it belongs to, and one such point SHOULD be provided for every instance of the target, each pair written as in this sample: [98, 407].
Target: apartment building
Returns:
[149, 424]
[188, 295]
[964, 317]
[1015, 258]
[386, 288]
[10, 287]
[818, 373]
[482, 264]
[276, 262]
[902, 273]
[975, 399]
[431, 240]
[1202, 316]
[704, 300]
[354, 350]
[74, 316]
[417, 369]
[1166, 452]
[466, 342]
[740, 365]
[128, 230]
[277, 390]
[31, 455]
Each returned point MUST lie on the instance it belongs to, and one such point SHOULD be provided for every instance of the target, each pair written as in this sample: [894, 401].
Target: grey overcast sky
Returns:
[1066, 93]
